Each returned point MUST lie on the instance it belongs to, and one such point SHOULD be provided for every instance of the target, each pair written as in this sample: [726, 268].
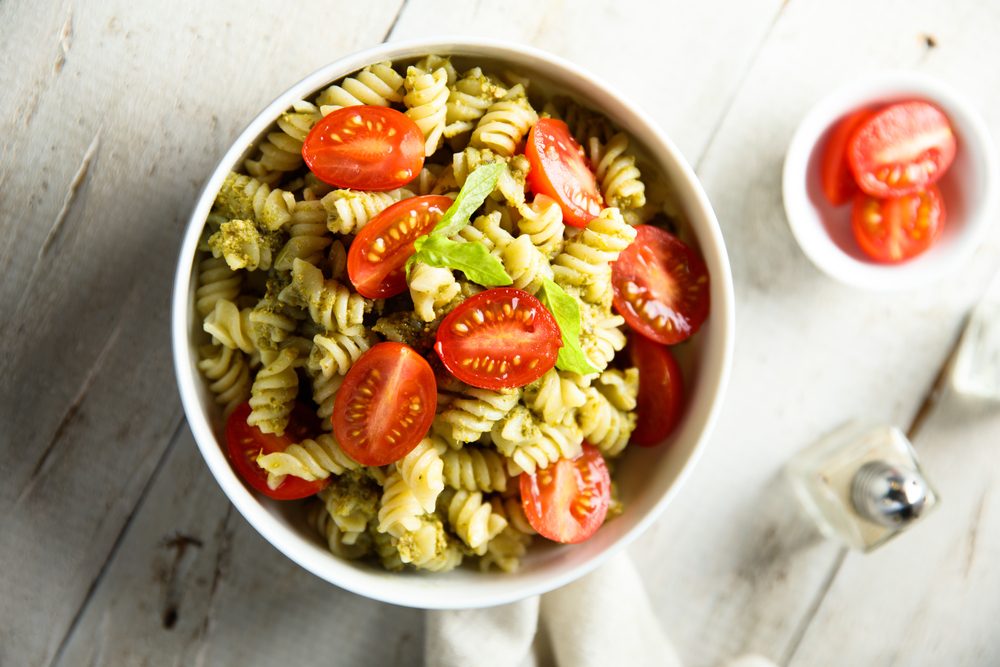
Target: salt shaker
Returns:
[862, 485]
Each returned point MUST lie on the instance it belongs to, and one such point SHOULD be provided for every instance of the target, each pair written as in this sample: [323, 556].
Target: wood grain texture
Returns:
[118, 547]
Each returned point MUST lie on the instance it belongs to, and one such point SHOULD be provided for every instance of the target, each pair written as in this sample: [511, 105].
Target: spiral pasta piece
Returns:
[273, 394]
[586, 259]
[469, 99]
[246, 198]
[603, 425]
[229, 326]
[308, 236]
[505, 123]
[615, 169]
[401, 509]
[474, 469]
[334, 537]
[472, 414]
[281, 151]
[525, 264]
[426, 101]
[215, 281]
[309, 460]
[431, 288]
[352, 501]
[621, 388]
[531, 445]
[423, 471]
[555, 396]
[228, 374]
[334, 353]
[471, 519]
[244, 246]
[375, 85]
[331, 305]
[350, 210]
[542, 221]
[386, 549]
[510, 508]
[505, 551]
[601, 336]
[325, 395]
[488, 231]
[510, 184]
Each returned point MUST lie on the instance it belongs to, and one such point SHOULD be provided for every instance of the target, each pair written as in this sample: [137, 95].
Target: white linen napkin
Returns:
[602, 619]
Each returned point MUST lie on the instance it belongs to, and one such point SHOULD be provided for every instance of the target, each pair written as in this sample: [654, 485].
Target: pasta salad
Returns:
[443, 307]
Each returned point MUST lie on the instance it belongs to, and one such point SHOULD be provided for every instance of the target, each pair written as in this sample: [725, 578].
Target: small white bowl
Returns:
[969, 187]
[648, 478]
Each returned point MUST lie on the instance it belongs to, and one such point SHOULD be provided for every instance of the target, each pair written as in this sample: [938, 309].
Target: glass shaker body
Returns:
[824, 477]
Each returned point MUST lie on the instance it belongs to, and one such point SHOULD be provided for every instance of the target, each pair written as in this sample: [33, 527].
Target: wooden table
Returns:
[117, 546]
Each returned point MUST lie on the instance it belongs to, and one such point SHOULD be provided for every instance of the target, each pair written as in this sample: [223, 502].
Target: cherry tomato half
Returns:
[834, 171]
[244, 443]
[377, 259]
[497, 339]
[559, 170]
[901, 149]
[385, 405]
[365, 148]
[661, 286]
[568, 501]
[661, 391]
[894, 230]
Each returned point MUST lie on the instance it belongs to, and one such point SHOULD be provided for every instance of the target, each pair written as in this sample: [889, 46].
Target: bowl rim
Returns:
[392, 589]
[854, 94]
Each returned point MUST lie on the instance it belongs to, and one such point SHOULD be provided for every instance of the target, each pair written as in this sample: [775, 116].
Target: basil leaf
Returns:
[472, 259]
[566, 310]
[478, 186]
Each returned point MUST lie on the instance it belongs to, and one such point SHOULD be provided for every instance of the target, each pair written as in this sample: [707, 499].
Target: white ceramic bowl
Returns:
[649, 478]
[968, 187]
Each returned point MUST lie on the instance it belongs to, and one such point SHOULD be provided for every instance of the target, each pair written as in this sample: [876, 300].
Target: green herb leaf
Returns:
[472, 259]
[566, 310]
[478, 186]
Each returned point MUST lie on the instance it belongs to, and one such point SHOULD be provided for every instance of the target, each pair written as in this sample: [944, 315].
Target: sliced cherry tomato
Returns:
[377, 259]
[834, 171]
[661, 286]
[244, 443]
[385, 405]
[560, 170]
[568, 501]
[895, 230]
[497, 339]
[661, 391]
[365, 148]
[901, 149]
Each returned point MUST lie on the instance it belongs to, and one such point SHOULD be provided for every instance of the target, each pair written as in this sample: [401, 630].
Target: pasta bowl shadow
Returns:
[648, 478]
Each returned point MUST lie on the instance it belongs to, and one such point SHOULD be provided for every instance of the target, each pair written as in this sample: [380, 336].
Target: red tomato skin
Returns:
[912, 142]
[902, 213]
[537, 347]
[554, 518]
[387, 278]
[413, 381]
[835, 171]
[661, 392]
[245, 442]
[557, 165]
[343, 150]
[657, 262]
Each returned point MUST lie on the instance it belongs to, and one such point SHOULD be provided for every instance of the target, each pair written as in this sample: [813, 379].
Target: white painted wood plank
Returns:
[928, 597]
[732, 567]
[194, 584]
[102, 157]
